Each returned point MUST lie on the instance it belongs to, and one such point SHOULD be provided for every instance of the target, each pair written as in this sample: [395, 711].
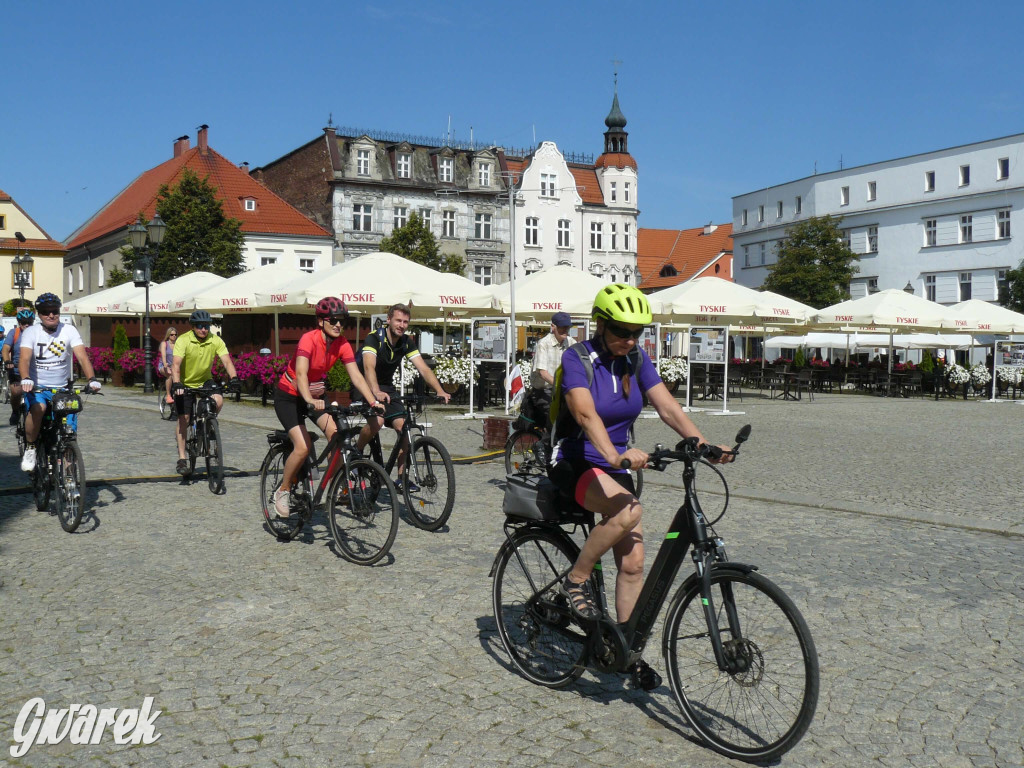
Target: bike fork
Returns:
[707, 599]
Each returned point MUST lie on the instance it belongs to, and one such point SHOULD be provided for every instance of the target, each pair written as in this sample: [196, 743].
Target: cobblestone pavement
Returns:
[893, 524]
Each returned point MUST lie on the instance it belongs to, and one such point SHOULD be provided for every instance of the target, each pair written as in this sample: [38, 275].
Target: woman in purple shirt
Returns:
[589, 461]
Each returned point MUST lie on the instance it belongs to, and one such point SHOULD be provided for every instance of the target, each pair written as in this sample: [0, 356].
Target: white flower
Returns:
[980, 376]
[957, 374]
[454, 370]
[526, 367]
[672, 369]
[1008, 375]
[409, 371]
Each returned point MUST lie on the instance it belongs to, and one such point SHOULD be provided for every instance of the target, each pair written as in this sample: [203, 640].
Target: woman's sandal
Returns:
[581, 602]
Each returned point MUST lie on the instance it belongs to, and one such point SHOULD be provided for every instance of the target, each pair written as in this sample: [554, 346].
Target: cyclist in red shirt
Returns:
[301, 387]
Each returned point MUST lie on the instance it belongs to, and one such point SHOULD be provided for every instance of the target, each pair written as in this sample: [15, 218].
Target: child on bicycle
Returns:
[588, 461]
[301, 387]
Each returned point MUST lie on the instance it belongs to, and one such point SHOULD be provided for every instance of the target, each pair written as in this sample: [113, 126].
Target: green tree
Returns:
[814, 264]
[11, 306]
[120, 344]
[1011, 295]
[199, 236]
[416, 242]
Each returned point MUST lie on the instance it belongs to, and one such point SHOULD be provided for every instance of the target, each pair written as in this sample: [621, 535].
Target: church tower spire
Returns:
[615, 138]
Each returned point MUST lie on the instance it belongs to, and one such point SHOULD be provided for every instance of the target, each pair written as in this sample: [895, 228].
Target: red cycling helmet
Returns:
[331, 305]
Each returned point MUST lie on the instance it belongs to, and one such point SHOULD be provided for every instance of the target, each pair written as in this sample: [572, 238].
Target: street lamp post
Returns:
[138, 233]
[22, 267]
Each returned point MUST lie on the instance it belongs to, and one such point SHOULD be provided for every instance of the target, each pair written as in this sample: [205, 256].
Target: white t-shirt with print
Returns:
[51, 353]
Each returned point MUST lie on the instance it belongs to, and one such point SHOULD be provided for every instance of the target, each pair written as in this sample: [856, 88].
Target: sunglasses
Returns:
[334, 320]
[201, 326]
[48, 312]
[623, 333]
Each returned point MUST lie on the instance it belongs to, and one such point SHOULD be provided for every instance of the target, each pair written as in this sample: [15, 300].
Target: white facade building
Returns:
[942, 222]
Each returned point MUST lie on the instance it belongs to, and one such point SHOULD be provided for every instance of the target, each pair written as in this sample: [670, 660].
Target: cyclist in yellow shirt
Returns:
[194, 353]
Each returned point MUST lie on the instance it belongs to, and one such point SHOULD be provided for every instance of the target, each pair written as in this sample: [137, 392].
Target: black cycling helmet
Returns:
[200, 316]
[26, 315]
[47, 300]
[331, 306]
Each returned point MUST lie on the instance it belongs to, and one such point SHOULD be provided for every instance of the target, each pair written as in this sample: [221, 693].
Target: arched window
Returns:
[81, 278]
[71, 281]
[100, 275]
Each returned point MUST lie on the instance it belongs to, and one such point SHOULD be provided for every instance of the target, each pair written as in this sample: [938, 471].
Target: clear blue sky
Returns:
[721, 98]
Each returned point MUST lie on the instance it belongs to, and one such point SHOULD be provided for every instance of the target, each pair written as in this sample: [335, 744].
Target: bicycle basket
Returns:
[64, 404]
[535, 497]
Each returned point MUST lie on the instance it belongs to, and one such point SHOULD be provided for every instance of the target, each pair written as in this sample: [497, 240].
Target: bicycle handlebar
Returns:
[689, 450]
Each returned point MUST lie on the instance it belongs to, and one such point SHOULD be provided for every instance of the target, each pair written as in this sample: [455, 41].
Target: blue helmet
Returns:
[26, 315]
[47, 300]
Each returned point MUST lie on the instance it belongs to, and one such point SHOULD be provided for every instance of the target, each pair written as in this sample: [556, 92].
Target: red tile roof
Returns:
[587, 184]
[31, 244]
[615, 160]
[272, 215]
[689, 251]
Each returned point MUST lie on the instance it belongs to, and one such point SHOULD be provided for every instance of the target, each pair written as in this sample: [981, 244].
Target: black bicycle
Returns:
[202, 437]
[362, 509]
[60, 468]
[741, 661]
[428, 477]
[528, 451]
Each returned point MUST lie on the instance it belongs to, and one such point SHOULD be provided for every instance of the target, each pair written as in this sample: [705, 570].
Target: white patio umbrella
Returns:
[714, 301]
[238, 293]
[990, 318]
[556, 289]
[160, 297]
[99, 303]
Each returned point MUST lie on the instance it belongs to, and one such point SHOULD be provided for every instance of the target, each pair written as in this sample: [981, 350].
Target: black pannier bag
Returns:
[535, 497]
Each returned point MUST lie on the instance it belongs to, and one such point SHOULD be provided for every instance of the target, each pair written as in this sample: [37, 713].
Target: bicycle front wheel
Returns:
[41, 476]
[429, 467]
[5, 388]
[533, 620]
[271, 474]
[524, 452]
[762, 709]
[214, 457]
[362, 511]
[70, 486]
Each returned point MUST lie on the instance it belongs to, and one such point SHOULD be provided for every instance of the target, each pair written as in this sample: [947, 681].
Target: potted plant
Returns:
[453, 372]
[339, 385]
[121, 346]
[672, 371]
[130, 363]
[102, 359]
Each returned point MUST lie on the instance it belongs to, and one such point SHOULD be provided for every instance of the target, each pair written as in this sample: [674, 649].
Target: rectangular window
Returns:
[799, 205]
[844, 196]
[250, 204]
[778, 210]
[1002, 168]
[760, 213]
[1001, 285]
[966, 229]
[482, 274]
[625, 191]
[448, 224]
[595, 235]
[401, 216]
[929, 181]
[548, 185]
[614, 192]
[482, 226]
[71, 283]
[362, 217]
[404, 165]
[965, 286]
[872, 239]
[872, 285]
[930, 232]
[307, 265]
[3, 222]
[1003, 220]
[425, 214]
[743, 218]
[267, 260]
[532, 230]
[965, 175]
[446, 169]
[615, 237]
[872, 191]
[81, 278]
[625, 237]
[363, 162]
[746, 255]
[563, 233]
[846, 238]
[762, 254]
[929, 287]
[485, 174]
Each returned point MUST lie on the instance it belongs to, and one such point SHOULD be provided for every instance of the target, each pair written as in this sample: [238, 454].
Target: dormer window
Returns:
[404, 165]
[668, 271]
[485, 174]
[446, 170]
[249, 203]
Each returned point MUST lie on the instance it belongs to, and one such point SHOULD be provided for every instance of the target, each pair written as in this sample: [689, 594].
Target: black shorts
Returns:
[13, 376]
[395, 409]
[567, 473]
[292, 410]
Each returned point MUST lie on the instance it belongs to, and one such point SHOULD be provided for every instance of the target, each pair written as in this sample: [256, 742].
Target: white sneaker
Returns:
[281, 506]
[28, 461]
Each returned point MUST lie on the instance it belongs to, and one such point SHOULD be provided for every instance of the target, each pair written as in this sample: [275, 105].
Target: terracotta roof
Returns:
[31, 244]
[587, 184]
[517, 165]
[615, 160]
[688, 251]
[272, 215]
[4, 195]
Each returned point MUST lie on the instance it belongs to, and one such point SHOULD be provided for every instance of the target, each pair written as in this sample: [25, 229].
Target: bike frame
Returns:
[337, 457]
[197, 420]
[405, 439]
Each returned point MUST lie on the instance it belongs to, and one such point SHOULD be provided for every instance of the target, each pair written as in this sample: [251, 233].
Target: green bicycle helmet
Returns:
[622, 303]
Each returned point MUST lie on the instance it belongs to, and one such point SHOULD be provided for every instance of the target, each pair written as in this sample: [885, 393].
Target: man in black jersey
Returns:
[379, 360]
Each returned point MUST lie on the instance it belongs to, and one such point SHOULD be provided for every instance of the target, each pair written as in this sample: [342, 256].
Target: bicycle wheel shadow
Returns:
[316, 530]
[97, 497]
[602, 688]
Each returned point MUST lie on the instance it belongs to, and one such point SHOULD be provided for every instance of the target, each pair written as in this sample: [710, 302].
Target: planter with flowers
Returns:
[454, 372]
[131, 364]
[672, 371]
[981, 377]
[102, 359]
[1008, 377]
[957, 378]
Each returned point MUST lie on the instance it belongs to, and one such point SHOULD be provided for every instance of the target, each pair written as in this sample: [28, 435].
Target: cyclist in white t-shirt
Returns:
[45, 363]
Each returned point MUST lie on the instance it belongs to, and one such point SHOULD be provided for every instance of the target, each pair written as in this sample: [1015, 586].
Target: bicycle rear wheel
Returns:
[214, 457]
[5, 388]
[430, 467]
[362, 511]
[70, 486]
[524, 452]
[761, 711]
[271, 474]
[533, 619]
[41, 476]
